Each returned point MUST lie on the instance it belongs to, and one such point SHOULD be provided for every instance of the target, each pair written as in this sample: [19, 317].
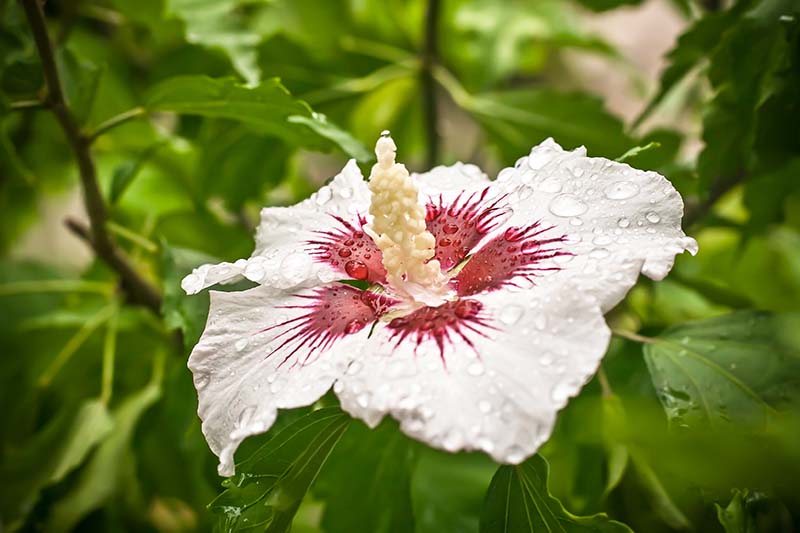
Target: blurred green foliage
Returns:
[199, 112]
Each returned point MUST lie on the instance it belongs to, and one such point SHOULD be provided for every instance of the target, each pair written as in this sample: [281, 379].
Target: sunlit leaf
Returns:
[268, 108]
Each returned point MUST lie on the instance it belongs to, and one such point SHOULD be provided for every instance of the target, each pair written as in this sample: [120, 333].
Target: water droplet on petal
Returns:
[550, 184]
[576, 221]
[602, 240]
[353, 326]
[540, 322]
[323, 195]
[356, 269]
[450, 228]
[623, 222]
[511, 314]
[240, 345]
[201, 381]
[515, 455]
[475, 369]
[452, 441]
[599, 253]
[338, 387]
[346, 192]
[362, 400]
[566, 205]
[652, 217]
[622, 190]
[354, 368]
[484, 406]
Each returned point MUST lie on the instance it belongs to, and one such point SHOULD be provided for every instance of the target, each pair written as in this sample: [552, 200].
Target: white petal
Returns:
[620, 221]
[240, 381]
[547, 344]
[280, 258]
[449, 181]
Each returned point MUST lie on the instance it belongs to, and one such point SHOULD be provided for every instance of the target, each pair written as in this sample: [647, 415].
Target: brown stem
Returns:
[138, 289]
[429, 59]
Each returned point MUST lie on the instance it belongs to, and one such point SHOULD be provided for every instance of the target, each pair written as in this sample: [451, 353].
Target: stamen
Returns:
[399, 230]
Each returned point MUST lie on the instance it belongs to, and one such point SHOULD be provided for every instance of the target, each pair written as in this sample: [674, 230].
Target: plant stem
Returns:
[115, 121]
[139, 290]
[605, 385]
[109, 354]
[631, 336]
[429, 60]
[26, 104]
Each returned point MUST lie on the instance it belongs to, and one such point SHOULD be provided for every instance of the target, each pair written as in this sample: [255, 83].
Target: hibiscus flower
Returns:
[477, 307]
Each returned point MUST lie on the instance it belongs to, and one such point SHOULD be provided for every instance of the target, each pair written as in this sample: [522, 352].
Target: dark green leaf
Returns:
[53, 453]
[269, 486]
[379, 487]
[111, 469]
[268, 108]
[519, 501]
[737, 368]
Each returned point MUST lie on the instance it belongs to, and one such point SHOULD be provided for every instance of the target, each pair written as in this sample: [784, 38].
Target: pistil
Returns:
[399, 230]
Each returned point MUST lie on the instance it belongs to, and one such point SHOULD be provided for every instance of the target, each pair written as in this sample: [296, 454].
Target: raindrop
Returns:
[539, 158]
[363, 400]
[346, 192]
[602, 240]
[566, 205]
[354, 368]
[201, 381]
[241, 344]
[356, 269]
[599, 253]
[338, 387]
[345, 252]
[484, 406]
[323, 195]
[452, 441]
[622, 190]
[511, 314]
[524, 192]
[295, 266]
[353, 326]
[450, 229]
[623, 222]
[515, 455]
[561, 392]
[546, 360]
[540, 322]
[576, 221]
[475, 369]
[550, 184]
[652, 217]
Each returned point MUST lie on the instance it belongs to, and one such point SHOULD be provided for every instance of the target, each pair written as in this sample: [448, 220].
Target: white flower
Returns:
[476, 352]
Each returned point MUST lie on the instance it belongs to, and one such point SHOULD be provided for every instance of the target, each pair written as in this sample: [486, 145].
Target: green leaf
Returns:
[660, 499]
[636, 150]
[268, 108]
[518, 500]
[447, 491]
[693, 47]
[734, 518]
[269, 486]
[126, 172]
[379, 487]
[181, 312]
[110, 470]
[738, 368]
[222, 25]
[519, 119]
[53, 453]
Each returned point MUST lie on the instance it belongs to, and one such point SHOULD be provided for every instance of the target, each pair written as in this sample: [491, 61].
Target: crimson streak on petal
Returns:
[458, 227]
[332, 312]
[515, 255]
[349, 250]
[458, 318]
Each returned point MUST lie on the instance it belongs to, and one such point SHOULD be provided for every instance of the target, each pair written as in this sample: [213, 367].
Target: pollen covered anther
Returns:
[399, 229]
